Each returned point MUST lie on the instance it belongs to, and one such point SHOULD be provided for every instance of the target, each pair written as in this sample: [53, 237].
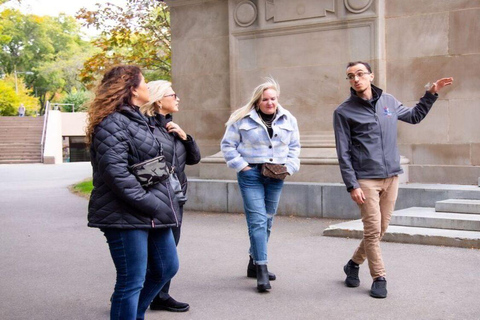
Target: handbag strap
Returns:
[124, 109]
[174, 158]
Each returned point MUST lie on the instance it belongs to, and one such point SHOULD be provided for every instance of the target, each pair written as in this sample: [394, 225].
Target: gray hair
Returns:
[157, 90]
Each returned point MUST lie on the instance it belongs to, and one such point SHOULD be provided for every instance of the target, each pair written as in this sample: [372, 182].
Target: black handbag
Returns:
[151, 172]
[174, 182]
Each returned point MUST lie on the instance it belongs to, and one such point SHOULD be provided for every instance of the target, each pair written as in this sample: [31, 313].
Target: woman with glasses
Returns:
[179, 149]
[261, 132]
[135, 220]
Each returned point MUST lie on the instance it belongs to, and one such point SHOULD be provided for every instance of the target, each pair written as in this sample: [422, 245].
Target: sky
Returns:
[54, 7]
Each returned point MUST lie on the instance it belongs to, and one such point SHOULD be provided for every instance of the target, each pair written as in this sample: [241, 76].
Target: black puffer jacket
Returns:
[118, 200]
[186, 151]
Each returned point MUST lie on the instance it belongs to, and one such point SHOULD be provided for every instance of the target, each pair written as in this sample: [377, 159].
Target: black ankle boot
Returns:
[169, 304]
[252, 271]
[263, 284]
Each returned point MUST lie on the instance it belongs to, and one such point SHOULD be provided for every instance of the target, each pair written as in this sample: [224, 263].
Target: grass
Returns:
[83, 188]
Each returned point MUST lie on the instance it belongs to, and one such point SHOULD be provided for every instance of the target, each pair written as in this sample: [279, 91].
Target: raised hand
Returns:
[439, 84]
[173, 127]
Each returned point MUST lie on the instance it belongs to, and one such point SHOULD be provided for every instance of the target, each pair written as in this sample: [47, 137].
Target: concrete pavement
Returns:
[52, 266]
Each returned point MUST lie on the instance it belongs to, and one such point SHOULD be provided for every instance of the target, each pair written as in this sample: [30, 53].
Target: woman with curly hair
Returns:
[135, 220]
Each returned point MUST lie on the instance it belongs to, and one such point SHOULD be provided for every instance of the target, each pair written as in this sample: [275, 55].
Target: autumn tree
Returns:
[12, 93]
[50, 47]
[137, 34]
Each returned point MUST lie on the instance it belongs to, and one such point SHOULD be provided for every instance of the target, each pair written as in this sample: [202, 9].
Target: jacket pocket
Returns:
[250, 132]
[285, 132]
[357, 157]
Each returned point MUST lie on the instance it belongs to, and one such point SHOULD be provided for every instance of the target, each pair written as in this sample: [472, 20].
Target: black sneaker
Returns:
[379, 288]
[351, 270]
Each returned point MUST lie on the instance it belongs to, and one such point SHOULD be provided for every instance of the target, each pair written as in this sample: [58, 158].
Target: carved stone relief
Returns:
[357, 6]
[287, 10]
[245, 13]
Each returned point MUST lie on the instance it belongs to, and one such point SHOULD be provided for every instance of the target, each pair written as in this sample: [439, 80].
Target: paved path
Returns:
[53, 267]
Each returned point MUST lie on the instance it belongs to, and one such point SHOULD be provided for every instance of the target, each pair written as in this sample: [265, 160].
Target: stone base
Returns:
[320, 200]
[317, 165]
[49, 160]
[467, 175]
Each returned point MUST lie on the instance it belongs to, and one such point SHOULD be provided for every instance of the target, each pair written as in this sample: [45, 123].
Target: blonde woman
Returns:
[260, 132]
[179, 149]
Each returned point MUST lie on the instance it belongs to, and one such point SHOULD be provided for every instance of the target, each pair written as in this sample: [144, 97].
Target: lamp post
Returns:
[15, 73]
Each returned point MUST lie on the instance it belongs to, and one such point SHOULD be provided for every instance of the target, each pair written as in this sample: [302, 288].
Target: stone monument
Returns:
[222, 49]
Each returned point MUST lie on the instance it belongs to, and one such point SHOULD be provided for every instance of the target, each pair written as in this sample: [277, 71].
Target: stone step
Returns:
[26, 140]
[20, 137]
[429, 218]
[21, 155]
[6, 120]
[19, 161]
[17, 145]
[20, 131]
[414, 235]
[458, 205]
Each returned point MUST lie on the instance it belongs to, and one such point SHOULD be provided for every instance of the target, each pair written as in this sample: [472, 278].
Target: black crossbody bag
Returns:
[151, 171]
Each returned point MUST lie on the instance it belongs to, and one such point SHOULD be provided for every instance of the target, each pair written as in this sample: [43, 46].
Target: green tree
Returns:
[51, 47]
[79, 99]
[137, 34]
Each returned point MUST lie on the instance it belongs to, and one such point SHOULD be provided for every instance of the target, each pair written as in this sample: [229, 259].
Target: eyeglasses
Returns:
[359, 74]
[174, 95]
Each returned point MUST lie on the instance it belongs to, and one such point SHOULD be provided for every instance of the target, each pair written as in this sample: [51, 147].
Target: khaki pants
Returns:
[376, 212]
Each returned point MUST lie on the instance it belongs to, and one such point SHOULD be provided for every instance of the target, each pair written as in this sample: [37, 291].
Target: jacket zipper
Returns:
[381, 141]
[171, 204]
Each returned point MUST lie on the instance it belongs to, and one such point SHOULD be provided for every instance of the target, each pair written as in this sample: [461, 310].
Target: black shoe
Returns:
[263, 284]
[169, 305]
[351, 270]
[379, 288]
[252, 271]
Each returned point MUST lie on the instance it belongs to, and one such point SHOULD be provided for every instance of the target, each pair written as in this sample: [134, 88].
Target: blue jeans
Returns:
[260, 201]
[163, 294]
[145, 259]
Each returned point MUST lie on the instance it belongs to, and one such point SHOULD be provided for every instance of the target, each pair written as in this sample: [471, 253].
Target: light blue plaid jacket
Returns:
[247, 141]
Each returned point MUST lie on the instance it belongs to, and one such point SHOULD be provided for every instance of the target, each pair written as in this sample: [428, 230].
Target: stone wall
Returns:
[222, 49]
[426, 40]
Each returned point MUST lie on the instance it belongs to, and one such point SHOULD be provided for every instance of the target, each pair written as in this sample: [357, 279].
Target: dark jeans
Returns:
[163, 294]
[132, 251]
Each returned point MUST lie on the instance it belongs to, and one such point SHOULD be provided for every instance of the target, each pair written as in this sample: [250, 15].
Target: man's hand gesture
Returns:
[439, 84]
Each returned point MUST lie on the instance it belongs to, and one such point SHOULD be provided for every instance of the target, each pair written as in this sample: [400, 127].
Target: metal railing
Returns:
[44, 131]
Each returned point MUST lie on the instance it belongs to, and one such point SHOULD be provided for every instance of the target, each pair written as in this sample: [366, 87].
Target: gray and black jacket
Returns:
[366, 134]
